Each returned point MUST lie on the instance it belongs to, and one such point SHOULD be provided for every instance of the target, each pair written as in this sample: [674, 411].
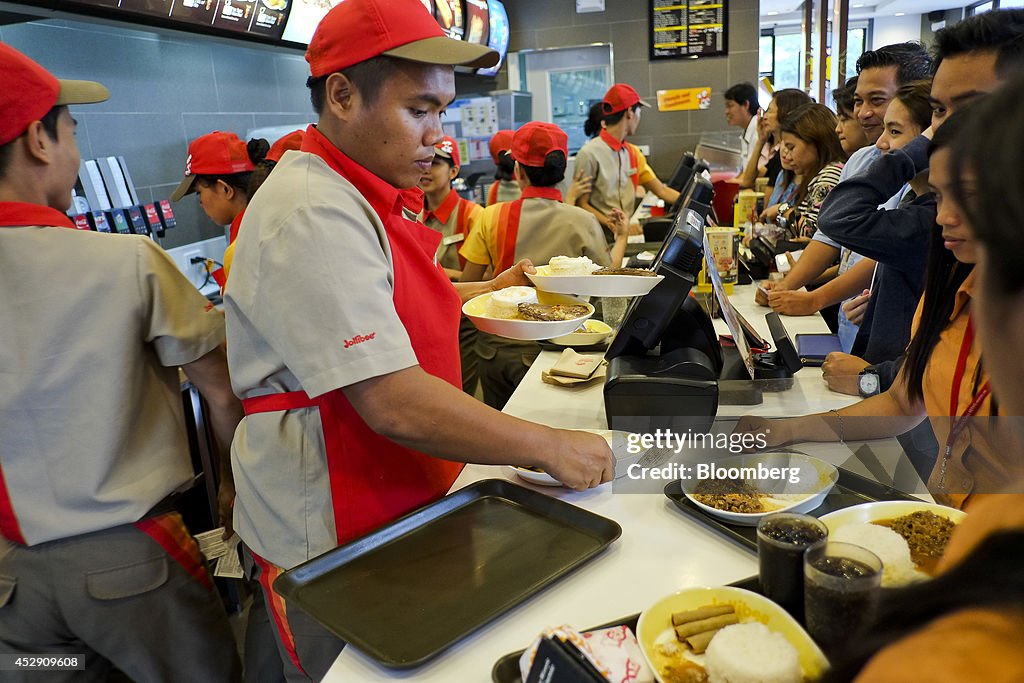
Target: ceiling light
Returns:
[900, 14]
[772, 14]
[858, 6]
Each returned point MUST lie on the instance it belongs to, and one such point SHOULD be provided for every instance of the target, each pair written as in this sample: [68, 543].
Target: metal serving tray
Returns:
[406, 592]
[506, 669]
[851, 489]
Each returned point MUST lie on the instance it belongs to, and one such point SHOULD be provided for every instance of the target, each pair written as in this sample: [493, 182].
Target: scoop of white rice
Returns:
[897, 567]
[750, 653]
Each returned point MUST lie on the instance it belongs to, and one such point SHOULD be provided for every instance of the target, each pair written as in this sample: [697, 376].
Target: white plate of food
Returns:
[908, 536]
[618, 441]
[589, 333]
[580, 275]
[731, 632]
[766, 483]
[527, 314]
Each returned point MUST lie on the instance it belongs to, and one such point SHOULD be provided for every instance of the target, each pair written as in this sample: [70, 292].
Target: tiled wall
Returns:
[166, 89]
[624, 23]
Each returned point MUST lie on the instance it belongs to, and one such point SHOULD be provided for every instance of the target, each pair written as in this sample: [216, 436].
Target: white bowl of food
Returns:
[737, 634]
[527, 314]
[589, 333]
[793, 482]
[909, 536]
[580, 275]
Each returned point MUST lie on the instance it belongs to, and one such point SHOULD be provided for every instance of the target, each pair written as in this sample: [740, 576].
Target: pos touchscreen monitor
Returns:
[648, 317]
[683, 172]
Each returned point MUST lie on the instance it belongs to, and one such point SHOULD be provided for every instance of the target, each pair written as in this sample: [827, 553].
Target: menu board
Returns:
[451, 17]
[697, 28]
[478, 27]
[265, 18]
[498, 35]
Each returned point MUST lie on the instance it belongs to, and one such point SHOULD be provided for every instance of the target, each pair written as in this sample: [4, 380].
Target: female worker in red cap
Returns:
[219, 168]
[615, 165]
[504, 188]
[454, 217]
[536, 226]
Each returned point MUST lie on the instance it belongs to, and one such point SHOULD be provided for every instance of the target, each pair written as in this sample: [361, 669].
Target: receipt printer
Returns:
[676, 391]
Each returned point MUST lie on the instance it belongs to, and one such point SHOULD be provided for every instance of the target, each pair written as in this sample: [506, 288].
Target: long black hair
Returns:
[991, 576]
[592, 126]
[943, 277]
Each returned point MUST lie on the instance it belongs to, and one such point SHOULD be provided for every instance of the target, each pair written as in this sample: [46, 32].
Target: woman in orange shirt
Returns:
[942, 377]
[966, 625]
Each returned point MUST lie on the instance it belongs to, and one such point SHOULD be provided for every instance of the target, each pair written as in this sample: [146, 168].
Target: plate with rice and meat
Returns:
[745, 488]
[909, 537]
[580, 275]
[713, 635]
[527, 314]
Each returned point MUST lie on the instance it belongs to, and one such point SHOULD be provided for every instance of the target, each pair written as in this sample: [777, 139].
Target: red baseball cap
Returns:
[215, 153]
[536, 140]
[448, 149]
[28, 92]
[357, 30]
[501, 142]
[291, 141]
[620, 97]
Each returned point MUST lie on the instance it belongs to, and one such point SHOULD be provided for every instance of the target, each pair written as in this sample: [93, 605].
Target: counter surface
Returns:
[660, 551]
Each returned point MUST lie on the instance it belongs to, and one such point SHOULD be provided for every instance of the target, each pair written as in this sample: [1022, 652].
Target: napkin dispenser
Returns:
[677, 391]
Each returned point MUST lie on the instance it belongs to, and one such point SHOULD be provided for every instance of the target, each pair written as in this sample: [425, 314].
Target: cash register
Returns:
[666, 366]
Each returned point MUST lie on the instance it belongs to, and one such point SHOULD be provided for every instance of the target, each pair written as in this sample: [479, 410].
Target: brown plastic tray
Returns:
[851, 489]
[506, 669]
[406, 592]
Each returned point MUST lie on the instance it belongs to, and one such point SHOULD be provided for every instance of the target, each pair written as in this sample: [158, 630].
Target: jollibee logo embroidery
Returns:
[447, 147]
[188, 165]
[359, 339]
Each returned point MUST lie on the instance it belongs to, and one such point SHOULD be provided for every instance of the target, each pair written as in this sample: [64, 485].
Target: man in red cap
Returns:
[504, 188]
[537, 226]
[614, 165]
[95, 565]
[343, 328]
[455, 218]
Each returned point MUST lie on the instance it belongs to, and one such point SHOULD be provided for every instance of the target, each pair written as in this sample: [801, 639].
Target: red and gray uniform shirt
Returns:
[93, 328]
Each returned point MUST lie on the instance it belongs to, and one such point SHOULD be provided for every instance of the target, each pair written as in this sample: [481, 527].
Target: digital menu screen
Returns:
[695, 29]
[478, 27]
[497, 38]
[304, 17]
[265, 18]
[451, 17]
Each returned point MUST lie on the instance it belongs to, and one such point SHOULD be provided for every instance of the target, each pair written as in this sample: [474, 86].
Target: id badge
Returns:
[452, 239]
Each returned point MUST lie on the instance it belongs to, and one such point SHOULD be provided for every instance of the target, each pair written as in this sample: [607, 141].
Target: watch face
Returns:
[869, 383]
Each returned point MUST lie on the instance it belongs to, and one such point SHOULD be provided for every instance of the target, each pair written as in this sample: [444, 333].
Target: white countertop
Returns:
[660, 550]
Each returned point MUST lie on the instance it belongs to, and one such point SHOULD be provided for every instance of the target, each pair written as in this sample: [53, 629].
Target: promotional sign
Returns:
[478, 22]
[684, 99]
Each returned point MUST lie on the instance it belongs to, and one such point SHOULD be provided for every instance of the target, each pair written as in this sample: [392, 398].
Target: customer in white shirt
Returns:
[741, 110]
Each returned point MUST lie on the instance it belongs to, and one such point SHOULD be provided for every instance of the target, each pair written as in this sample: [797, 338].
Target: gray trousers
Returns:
[119, 599]
[306, 649]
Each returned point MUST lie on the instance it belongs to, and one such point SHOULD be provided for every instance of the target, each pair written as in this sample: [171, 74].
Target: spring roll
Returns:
[701, 613]
[694, 627]
[699, 642]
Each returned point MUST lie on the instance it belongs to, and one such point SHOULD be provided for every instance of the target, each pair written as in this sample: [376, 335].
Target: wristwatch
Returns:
[781, 219]
[867, 383]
